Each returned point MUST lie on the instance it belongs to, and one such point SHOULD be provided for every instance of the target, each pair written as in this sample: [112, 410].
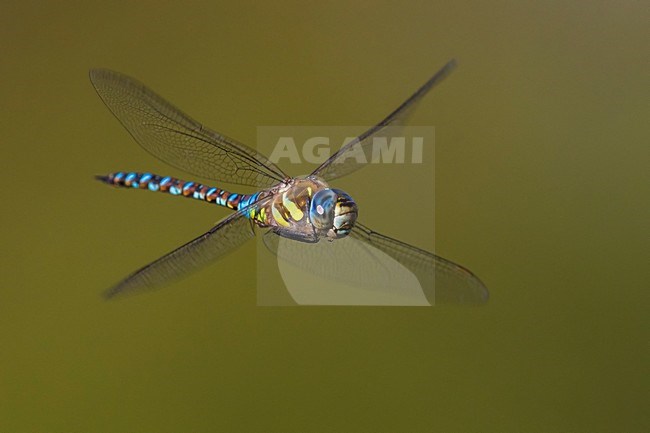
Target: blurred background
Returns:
[541, 189]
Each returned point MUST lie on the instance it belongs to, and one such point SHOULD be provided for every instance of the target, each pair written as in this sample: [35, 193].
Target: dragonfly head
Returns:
[333, 213]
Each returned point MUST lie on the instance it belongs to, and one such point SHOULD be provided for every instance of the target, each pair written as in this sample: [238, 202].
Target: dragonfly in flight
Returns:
[303, 210]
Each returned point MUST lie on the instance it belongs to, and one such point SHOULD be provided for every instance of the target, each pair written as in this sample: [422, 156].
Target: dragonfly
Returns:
[303, 210]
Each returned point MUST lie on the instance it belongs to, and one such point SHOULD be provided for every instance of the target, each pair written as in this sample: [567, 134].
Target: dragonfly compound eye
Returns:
[321, 209]
[333, 213]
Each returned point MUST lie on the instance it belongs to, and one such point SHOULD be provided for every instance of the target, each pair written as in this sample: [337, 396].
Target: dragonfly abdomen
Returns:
[174, 186]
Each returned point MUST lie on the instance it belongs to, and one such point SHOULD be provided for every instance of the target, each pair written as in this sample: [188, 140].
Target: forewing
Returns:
[362, 274]
[351, 157]
[175, 138]
[443, 281]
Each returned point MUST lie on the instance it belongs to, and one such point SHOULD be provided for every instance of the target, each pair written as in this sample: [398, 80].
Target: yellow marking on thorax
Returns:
[294, 210]
[278, 217]
[259, 215]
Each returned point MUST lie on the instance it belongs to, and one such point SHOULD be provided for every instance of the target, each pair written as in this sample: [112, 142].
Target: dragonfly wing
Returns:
[175, 138]
[351, 157]
[443, 281]
[364, 274]
[226, 236]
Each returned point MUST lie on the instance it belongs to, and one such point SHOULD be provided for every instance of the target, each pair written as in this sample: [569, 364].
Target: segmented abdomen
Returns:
[173, 186]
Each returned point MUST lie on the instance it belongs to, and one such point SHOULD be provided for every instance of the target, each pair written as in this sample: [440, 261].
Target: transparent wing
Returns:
[387, 272]
[443, 281]
[226, 236]
[346, 160]
[175, 138]
[363, 274]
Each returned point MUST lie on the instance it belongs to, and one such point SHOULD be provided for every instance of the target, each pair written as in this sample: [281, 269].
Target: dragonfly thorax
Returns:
[307, 209]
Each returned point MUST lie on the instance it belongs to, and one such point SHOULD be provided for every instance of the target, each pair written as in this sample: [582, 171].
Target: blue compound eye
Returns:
[321, 209]
[333, 213]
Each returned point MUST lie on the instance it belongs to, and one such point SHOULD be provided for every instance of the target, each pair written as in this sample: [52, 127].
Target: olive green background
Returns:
[541, 189]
